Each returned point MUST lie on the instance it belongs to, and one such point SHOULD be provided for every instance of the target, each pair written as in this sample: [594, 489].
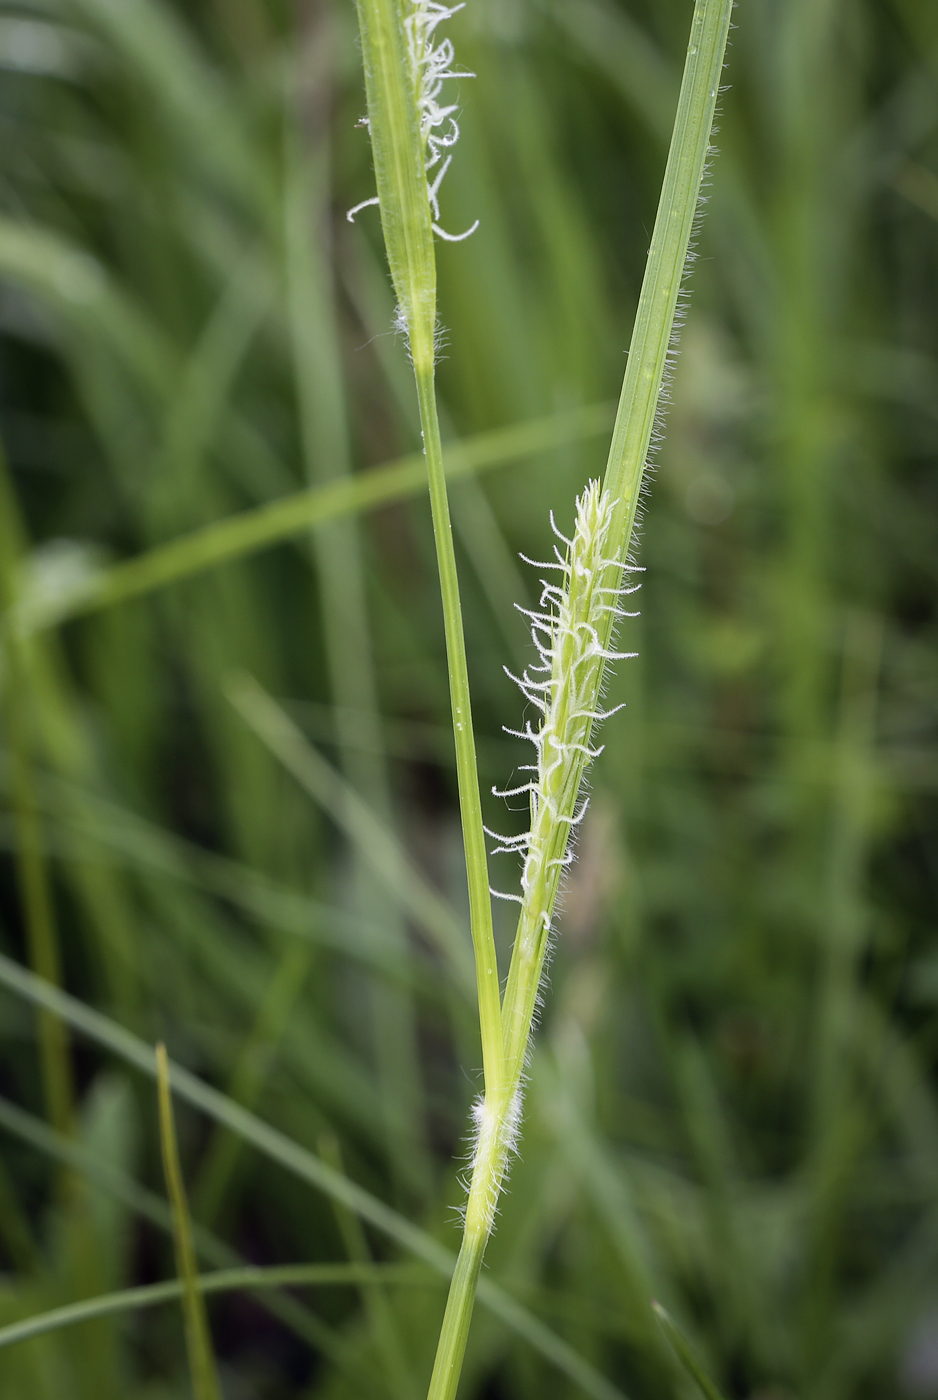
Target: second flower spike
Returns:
[572, 630]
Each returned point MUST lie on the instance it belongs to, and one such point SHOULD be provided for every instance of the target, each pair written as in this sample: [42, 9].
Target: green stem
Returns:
[205, 1384]
[496, 1122]
[667, 258]
[628, 453]
[480, 905]
[454, 1333]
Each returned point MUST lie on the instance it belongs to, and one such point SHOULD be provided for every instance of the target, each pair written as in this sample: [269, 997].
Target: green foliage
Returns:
[732, 1101]
[202, 1368]
[685, 1354]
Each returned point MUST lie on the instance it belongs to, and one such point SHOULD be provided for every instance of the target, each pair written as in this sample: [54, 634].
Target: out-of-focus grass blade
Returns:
[223, 1281]
[292, 515]
[202, 1366]
[385, 1339]
[146, 1204]
[376, 843]
[152, 43]
[605, 1184]
[15, 1231]
[309, 1168]
[622, 49]
[919, 185]
[684, 1353]
[143, 846]
[82, 293]
[260, 1049]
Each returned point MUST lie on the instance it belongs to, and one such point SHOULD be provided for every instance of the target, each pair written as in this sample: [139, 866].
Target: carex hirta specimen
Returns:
[412, 122]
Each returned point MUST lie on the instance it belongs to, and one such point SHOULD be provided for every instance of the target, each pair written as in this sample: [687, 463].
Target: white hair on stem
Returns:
[494, 1142]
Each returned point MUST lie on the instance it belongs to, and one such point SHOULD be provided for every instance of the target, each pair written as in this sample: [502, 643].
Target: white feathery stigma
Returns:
[571, 631]
[431, 61]
[432, 65]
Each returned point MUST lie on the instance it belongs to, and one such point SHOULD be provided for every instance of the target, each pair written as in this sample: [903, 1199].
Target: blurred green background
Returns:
[732, 1102]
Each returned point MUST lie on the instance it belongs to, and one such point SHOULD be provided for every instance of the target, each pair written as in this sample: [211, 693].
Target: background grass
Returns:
[732, 1103]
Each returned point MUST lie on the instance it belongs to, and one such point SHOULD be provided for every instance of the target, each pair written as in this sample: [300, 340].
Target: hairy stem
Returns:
[628, 453]
[667, 259]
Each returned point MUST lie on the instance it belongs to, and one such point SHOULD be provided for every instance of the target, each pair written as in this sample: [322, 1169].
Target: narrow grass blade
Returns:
[148, 1206]
[35, 891]
[53, 731]
[17, 702]
[83, 295]
[131, 840]
[306, 1166]
[251, 1070]
[684, 1353]
[348, 627]
[621, 48]
[223, 1281]
[370, 837]
[604, 536]
[667, 259]
[467, 771]
[198, 1338]
[155, 46]
[292, 515]
[386, 1341]
[15, 1232]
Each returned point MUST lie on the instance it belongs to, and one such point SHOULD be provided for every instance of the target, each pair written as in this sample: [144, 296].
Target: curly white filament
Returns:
[568, 629]
[356, 209]
[431, 65]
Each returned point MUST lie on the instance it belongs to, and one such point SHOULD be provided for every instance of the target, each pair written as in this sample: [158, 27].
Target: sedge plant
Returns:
[780, 1104]
[413, 128]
